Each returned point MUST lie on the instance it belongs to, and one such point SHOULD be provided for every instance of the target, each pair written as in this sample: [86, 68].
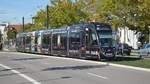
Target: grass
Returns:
[144, 63]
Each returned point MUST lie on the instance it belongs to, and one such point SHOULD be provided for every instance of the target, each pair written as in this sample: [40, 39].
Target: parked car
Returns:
[145, 50]
[126, 49]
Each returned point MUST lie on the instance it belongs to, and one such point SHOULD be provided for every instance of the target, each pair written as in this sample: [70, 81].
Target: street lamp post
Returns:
[47, 17]
[23, 24]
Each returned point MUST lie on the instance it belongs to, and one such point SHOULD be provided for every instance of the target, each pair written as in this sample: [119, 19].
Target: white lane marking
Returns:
[22, 75]
[88, 61]
[92, 74]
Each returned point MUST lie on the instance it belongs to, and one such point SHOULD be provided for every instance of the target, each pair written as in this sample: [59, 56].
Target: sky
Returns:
[12, 11]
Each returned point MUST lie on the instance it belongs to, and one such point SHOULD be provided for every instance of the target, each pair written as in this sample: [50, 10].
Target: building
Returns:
[3, 29]
[128, 36]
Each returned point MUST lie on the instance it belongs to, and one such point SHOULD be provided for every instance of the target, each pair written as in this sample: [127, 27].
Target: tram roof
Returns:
[101, 25]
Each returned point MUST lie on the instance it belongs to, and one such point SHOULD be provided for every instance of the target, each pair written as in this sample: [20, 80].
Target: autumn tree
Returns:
[11, 33]
[61, 13]
[133, 14]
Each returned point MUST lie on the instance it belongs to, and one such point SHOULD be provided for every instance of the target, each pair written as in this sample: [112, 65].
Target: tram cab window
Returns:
[94, 39]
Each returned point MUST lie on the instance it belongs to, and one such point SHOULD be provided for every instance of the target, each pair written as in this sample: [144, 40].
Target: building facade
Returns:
[129, 37]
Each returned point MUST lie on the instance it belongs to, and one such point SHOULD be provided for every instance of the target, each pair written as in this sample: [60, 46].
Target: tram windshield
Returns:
[105, 38]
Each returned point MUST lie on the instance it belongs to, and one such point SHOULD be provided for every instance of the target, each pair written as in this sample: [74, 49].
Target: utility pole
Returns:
[23, 24]
[47, 17]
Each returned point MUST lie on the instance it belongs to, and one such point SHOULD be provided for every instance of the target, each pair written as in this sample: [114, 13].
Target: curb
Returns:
[130, 67]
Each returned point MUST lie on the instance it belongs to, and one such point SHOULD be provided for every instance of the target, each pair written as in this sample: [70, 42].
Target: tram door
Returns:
[87, 43]
[74, 43]
[91, 44]
[36, 42]
[33, 42]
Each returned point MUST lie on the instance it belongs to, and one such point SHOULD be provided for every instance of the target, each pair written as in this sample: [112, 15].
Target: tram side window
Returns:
[46, 39]
[75, 39]
[59, 41]
[63, 40]
[94, 39]
[28, 40]
[54, 40]
[22, 41]
[18, 41]
[36, 39]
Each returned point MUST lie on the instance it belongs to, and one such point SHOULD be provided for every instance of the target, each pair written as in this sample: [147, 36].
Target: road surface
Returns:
[23, 68]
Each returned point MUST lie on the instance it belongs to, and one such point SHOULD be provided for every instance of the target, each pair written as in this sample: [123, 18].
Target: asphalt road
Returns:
[20, 68]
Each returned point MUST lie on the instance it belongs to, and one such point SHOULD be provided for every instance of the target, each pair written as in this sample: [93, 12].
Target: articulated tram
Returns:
[86, 41]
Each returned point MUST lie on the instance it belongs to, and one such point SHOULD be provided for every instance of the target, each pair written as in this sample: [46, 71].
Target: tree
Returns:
[28, 27]
[62, 13]
[133, 14]
[40, 20]
[11, 33]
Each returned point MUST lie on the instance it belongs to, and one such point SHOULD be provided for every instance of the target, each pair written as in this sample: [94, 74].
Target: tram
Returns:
[86, 41]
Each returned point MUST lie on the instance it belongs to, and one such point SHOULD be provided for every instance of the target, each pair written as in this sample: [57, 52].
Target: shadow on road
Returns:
[74, 67]
[24, 59]
[11, 69]
[7, 70]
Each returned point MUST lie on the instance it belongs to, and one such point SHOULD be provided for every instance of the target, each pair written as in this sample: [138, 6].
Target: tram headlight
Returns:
[86, 29]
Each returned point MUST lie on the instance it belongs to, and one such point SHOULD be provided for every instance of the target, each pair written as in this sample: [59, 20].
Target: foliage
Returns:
[28, 27]
[40, 20]
[11, 33]
[133, 14]
[61, 13]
